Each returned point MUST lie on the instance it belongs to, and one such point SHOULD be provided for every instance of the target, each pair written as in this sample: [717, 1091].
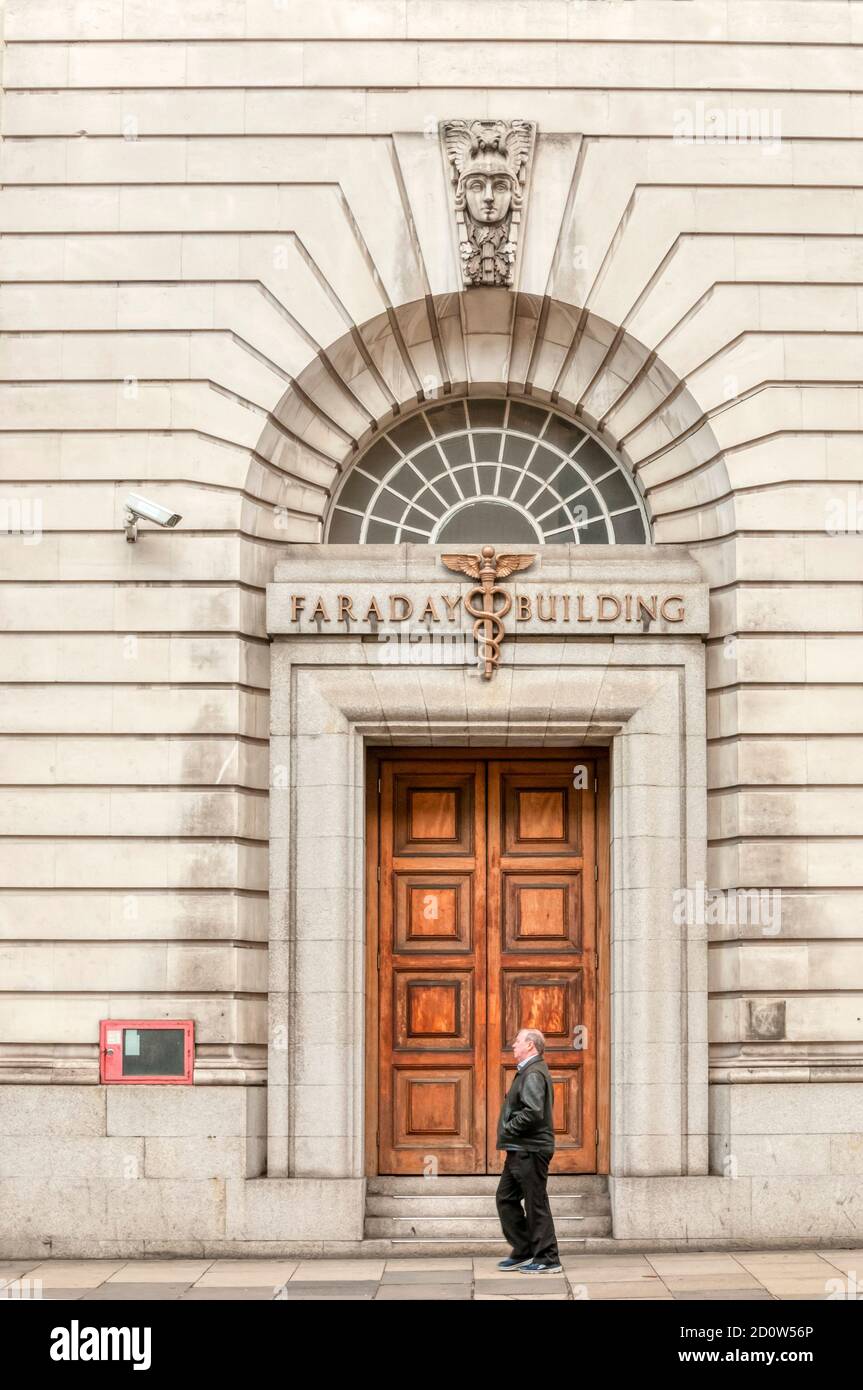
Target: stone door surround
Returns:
[638, 689]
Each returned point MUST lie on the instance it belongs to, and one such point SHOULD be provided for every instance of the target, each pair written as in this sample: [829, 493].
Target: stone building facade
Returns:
[246, 274]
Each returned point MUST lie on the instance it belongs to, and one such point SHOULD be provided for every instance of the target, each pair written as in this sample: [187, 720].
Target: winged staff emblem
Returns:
[488, 627]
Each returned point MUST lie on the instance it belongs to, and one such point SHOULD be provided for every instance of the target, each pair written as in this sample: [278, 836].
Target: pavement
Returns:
[757, 1275]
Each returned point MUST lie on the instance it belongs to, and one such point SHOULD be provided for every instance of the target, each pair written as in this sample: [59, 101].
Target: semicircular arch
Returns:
[492, 345]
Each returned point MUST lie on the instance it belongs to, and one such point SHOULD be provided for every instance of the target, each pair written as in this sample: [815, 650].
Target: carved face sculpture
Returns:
[488, 188]
[488, 196]
[488, 166]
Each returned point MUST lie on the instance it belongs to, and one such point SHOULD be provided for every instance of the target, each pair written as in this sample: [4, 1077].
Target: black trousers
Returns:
[530, 1232]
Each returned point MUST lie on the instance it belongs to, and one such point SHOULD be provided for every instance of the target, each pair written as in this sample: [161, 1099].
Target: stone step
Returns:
[474, 1185]
[406, 1248]
[406, 1204]
[427, 1228]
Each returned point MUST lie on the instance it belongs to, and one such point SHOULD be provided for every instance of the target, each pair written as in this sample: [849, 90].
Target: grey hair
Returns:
[534, 1036]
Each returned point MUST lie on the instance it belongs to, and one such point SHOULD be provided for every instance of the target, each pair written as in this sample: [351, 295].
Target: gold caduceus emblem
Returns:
[488, 628]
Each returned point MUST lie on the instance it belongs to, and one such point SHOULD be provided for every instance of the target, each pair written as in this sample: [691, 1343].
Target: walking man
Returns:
[525, 1131]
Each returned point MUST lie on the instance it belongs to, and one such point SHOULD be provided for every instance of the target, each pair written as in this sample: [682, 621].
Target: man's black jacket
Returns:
[526, 1114]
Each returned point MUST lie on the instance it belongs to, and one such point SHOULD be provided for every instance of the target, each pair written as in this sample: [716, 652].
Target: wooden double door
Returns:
[485, 921]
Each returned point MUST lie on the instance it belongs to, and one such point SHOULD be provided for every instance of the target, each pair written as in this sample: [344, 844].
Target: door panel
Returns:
[434, 814]
[433, 912]
[487, 924]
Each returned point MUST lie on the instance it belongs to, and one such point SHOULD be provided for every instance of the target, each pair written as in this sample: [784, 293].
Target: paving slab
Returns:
[58, 1295]
[160, 1271]
[71, 1274]
[540, 1298]
[621, 1290]
[780, 1259]
[695, 1264]
[341, 1270]
[604, 1272]
[254, 1293]
[720, 1295]
[803, 1288]
[433, 1293]
[847, 1261]
[711, 1280]
[247, 1274]
[134, 1293]
[530, 1284]
[441, 1262]
[352, 1289]
[10, 1269]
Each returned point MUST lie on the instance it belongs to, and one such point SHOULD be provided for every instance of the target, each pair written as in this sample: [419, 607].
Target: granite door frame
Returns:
[644, 697]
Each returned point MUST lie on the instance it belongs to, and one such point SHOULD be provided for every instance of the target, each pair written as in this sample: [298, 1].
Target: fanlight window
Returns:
[487, 470]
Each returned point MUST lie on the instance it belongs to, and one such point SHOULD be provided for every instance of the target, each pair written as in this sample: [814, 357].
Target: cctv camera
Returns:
[139, 508]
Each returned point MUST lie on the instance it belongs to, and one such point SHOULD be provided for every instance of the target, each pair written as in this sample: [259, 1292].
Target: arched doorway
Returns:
[455, 422]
